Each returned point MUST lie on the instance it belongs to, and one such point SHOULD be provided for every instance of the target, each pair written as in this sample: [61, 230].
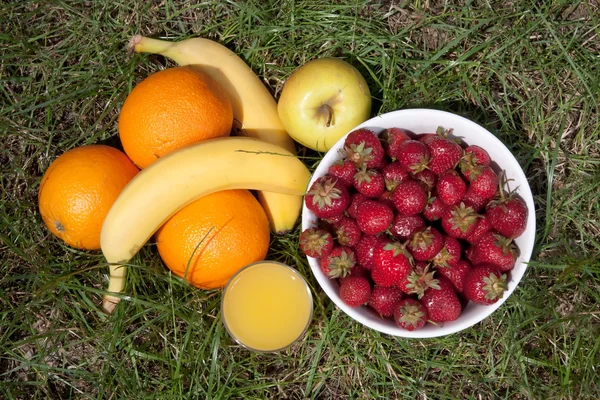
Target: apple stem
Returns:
[329, 115]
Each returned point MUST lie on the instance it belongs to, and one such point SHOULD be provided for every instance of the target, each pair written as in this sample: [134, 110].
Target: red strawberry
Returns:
[359, 270]
[444, 152]
[419, 280]
[369, 182]
[495, 249]
[327, 197]
[344, 170]
[442, 304]
[355, 290]
[384, 300]
[456, 273]
[482, 226]
[459, 221]
[450, 187]
[365, 248]
[424, 245]
[363, 148]
[409, 197]
[473, 200]
[386, 198]
[473, 156]
[484, 182]
[347, 232]
[508, 215]
[332, 220]
[410, 314]
[394, 173]
[413, 155]
[405, 226]
[315, 242]
[373, 217]
[338, 263]
[391, 264]
[450, 253]
[355, 200]
[427, 178]
[435, 207]
[485, 284]
[391, 139]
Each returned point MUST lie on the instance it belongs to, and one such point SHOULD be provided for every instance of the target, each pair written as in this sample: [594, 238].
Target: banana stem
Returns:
[142, 44]
[116, 284]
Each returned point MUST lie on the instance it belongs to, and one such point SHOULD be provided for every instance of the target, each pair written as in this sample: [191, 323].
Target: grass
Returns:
[526, 70]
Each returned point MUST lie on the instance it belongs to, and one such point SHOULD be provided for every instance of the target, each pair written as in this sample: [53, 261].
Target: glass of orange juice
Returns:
[266, 306]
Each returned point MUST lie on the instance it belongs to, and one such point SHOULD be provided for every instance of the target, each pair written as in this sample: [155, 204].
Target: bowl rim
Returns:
[365, 316]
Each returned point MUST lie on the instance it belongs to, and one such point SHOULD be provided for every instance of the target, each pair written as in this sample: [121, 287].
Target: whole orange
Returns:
[170, 109]
[78, 189]
[210, 239]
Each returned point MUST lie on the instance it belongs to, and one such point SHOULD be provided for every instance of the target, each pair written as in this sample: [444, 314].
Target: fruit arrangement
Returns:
[414, 226]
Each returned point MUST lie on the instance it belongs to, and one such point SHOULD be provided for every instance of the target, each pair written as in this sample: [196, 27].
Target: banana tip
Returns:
[134, 41]
[109, 304]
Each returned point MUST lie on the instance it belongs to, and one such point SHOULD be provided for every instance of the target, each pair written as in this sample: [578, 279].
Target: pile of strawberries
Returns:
[414, 226]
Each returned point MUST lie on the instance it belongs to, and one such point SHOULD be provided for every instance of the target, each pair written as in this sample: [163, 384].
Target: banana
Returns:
[254, 108]
[182, 176]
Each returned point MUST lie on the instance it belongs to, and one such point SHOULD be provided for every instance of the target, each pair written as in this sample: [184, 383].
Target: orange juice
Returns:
[266, 306]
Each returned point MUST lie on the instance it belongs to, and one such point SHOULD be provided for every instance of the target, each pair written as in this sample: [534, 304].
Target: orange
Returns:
[213, 237]
[171, 109]
[78, 189]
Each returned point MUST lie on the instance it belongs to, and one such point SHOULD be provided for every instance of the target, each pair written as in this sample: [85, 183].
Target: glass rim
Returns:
[295, 272]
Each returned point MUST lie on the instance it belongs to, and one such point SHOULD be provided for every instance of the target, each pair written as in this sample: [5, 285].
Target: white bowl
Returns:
[421, 121]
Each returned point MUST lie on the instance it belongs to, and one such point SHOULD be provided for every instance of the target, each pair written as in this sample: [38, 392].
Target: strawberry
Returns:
[409, 197]
[413, 155]
[394, 173]
[338, 263]
[316, 242]
[442, 304]
[473, 200]
[483, 183]
[355, 290]
[419, 280]
[450, 253]
[365, 248]
[482, 226]
[456, 273]
[410, 314]
[391, 264]
[473, 156]
[373, 217]
[355, 200]
[507, 215]
[347, 232]
[495, 249]
[459, 220]
[405, 226]
[327, 197]
[450, 187]
[444, 152]
[359, 270]
[435, 207]
[369, 182]
[385, 299]
[386, 198]
[391, 139]
[363, 148]
[424, 245]
[344, 171]
[427, 178]
[485, 284]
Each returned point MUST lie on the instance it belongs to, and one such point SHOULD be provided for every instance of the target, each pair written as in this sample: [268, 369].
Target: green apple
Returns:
[322, 101]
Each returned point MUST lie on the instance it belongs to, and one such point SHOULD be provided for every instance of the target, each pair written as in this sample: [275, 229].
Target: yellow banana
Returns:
[254, 108]
[182, 176]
